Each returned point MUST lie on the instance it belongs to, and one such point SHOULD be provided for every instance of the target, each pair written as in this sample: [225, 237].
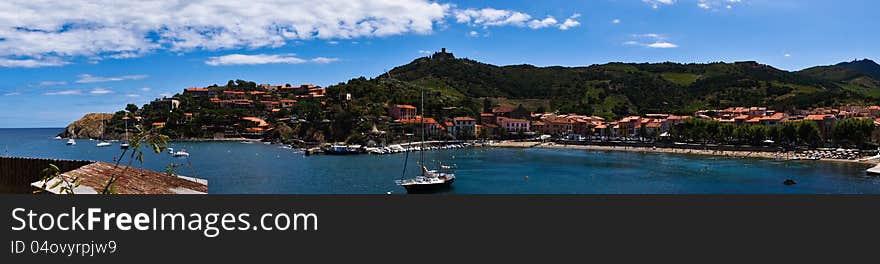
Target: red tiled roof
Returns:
[405, 106]
[817, 117]
[131, 180]
[464, 118]
[504, 109]
[195, 90]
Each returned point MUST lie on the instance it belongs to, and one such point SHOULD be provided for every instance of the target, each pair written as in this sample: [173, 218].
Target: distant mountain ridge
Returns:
[860, 76]
[616, 89]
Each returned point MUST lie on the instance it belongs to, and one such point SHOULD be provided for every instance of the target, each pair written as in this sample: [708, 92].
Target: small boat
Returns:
[874, 170]
[180, 154]
[57, 137]
[71, 142]
[343, 150]
[103, 143]
[428, 181]
[124, 144]
[170, 150]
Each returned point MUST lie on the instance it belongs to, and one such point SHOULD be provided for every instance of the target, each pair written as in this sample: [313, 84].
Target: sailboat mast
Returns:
[422, 148]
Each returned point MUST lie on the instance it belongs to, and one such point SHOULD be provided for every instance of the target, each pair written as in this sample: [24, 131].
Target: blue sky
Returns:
[59, 61]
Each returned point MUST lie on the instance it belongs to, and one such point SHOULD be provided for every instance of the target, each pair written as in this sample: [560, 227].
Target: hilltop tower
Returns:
[443, 55]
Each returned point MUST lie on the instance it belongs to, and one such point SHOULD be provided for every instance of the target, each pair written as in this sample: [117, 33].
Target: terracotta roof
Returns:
[134, 180]
[487, 114]
[817, 117]
[196, 90]
[464, 118]
[405, 106]
[504, 109]
[654, 125]
[776, 116]
[259, 121]
[538, 123]
[158, 124]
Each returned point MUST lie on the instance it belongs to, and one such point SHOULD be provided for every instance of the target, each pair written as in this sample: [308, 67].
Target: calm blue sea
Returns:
[234, 167]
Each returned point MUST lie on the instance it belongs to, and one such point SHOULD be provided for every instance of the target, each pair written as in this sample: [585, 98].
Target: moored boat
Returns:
[874, 170]
[428, 181]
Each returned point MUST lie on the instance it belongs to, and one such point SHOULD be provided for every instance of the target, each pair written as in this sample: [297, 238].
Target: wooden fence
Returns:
[16, 174]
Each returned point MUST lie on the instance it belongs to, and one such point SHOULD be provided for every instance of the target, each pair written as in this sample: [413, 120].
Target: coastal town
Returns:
[500, 122]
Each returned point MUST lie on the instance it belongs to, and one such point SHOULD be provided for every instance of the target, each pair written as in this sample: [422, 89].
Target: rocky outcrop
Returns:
[89, 126]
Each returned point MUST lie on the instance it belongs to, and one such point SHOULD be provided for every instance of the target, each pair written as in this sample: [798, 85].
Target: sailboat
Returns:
[124, 144]
[71, 142]
[103, 143]
[429, 180]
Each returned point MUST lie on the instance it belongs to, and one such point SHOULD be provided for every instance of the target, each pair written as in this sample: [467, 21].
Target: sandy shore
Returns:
[718, 153]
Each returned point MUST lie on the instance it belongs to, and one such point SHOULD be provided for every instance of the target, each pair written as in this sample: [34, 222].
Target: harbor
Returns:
[236, 168]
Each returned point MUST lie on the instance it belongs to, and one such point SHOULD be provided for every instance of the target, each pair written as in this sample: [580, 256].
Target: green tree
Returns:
[855, 131]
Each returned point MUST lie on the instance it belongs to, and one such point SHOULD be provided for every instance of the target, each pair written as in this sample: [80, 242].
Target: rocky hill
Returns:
[89, 126]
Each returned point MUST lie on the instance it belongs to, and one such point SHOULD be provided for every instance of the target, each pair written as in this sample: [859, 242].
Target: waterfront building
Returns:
[402, 112]
[825, 122]
[464, 126]
[514, 125]
[511, 111]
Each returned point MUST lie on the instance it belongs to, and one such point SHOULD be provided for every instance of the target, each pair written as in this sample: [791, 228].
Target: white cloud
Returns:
[40, 33]
[546, 22]
[787, 55]
[165, 94]
[570, 22]
[99, 91]
[324, 60]
[51, 83]
[487, 17]
[256, 59]
[657, 3]
[98, 29]
[12, 94]
[132, 95]
[615, 21]
[146, 89]
[661, 45]
[333, 42]
[714, 4]
[87, 78]
[65, 92]
[651, 40]
[704, 4]
[491, 17]
[425, 52]
[473, 34]
[27, 63]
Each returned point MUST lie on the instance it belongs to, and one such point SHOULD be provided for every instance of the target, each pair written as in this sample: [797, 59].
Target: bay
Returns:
[239, 168]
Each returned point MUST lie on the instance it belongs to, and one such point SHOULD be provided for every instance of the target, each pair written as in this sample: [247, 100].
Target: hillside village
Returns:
[381, 111]
[260, 111]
